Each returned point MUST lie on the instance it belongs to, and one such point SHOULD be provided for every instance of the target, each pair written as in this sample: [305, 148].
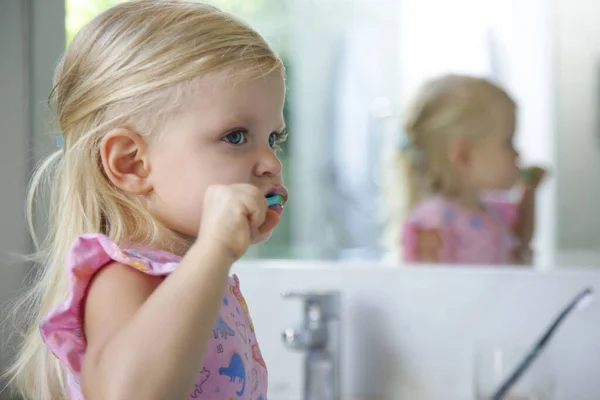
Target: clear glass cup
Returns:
[494, 363]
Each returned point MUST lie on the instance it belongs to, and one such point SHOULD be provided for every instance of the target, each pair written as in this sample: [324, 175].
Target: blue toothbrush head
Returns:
[274, 200]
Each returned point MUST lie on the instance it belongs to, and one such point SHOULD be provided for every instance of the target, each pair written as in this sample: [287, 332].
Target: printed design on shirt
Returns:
[255, 380]
[242, 330]
[225, 301]
[235, 371]
[257, 356]
[72, 379]
[448, 215]
[202, 378]
[78, 332]
[221, 328]
[135, 260]
[235, 290]
[260, 398]
[476, 222]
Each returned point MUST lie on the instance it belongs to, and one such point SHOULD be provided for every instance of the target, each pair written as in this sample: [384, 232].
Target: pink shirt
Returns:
[233, 366]
[467, 236]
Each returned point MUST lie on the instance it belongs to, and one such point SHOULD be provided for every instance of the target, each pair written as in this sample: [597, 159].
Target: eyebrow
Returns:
[250, 120]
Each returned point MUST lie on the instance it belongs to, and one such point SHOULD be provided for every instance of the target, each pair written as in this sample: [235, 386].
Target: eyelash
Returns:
[280, 138]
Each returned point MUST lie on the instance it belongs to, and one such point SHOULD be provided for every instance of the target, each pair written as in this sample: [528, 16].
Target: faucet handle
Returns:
[325, 303]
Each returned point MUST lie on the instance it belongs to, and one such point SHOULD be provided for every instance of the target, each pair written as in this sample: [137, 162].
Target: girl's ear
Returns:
[125, 160]
[459, 153]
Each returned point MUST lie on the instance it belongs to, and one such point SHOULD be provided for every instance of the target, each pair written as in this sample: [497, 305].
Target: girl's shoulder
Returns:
[94, 250]
[62, 327]
[431, 212]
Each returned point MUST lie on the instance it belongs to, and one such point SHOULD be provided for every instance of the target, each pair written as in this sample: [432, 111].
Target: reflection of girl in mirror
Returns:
[458, 148]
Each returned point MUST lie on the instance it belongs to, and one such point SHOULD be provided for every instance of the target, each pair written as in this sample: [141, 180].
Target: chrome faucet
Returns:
[319, 337]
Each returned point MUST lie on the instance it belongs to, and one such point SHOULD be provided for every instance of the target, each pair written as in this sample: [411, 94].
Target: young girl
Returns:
[171, 114]
[459, 148]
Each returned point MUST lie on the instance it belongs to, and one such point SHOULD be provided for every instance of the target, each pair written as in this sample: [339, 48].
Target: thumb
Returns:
[271, 221]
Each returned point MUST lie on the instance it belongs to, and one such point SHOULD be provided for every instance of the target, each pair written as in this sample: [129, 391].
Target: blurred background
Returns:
[352, 66]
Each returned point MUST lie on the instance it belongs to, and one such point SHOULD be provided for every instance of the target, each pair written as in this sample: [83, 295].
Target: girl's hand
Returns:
[533, 176]
[232, 216]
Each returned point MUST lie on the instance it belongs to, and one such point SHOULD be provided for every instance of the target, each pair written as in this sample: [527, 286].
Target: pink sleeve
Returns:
[429, 215]
[62, 327]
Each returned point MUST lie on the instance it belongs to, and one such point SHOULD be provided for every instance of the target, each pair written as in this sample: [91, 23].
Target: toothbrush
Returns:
[582, 300]
[274, 200]
[533, 175]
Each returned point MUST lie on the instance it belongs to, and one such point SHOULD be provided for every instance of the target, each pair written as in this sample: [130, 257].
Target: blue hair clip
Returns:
[59, 141]
[402, 142]
[409, 149]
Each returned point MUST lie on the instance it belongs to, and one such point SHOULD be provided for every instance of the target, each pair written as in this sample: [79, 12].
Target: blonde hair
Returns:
[444, 108]
[121, 70]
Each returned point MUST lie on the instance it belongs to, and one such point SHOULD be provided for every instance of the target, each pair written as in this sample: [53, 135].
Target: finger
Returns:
[271, 221]
[257, 209]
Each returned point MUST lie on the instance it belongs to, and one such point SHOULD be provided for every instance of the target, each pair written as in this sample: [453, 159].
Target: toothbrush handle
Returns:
[539, 346]
[508, 384]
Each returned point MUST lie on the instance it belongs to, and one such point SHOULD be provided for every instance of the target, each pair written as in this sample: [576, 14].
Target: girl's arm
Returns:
[428, 245]
[147, 341]
[423, 233]
[525, 225]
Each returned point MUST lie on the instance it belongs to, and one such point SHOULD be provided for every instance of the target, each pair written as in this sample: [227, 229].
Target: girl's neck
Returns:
[470, 199]
[174, 243]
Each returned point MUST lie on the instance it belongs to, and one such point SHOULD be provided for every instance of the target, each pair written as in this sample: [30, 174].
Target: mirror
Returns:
[353, 67]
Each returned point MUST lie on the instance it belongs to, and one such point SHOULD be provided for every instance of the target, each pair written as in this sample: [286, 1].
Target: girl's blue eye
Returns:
[273, 140]
[236, 137]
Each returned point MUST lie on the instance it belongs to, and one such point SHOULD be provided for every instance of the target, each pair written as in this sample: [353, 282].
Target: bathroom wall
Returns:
[29, 45]
[578, 128]
[47, 42]
[409, 332]
[14, 131]
[333, 125]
